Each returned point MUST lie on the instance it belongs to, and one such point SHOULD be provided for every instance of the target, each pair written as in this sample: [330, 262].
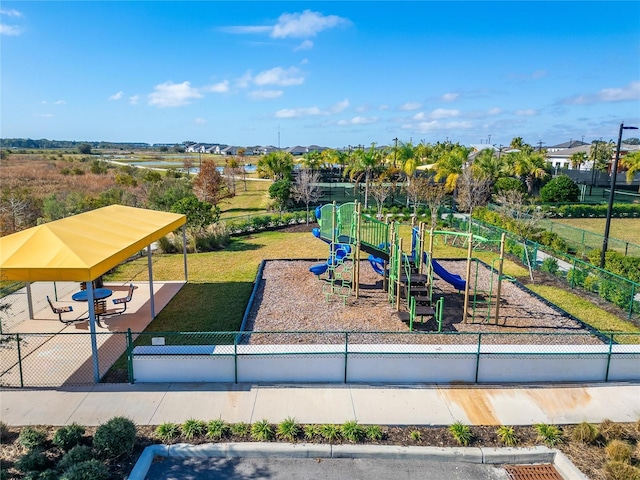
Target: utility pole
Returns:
[395, 153]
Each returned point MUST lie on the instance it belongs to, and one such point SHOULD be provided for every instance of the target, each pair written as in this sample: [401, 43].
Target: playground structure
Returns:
[407, 277]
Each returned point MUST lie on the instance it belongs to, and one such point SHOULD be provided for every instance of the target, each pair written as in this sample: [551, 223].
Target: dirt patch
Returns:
[291, 298]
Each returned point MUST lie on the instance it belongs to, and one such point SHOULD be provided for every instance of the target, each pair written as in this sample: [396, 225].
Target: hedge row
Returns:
[619, 210]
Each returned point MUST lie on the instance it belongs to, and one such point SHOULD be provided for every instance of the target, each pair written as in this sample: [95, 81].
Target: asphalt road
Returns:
[174, 468]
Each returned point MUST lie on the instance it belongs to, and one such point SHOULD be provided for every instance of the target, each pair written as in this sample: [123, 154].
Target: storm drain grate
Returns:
[532, 472]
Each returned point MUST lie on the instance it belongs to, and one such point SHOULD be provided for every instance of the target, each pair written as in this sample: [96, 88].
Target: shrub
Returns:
[167, 431]
[91, 469]
[77, 454]
[560, 189]
[262, 431]
[241, 429]
[576, 277]
[618, 451]
[4, 431]
[507, 435]
[68, 436]
[217, 429]
[415, 435]
[621, 471]
[550, 265]
[312, 431]
[192, 428]
[115, 438]
[461, 433]
[585, 433]
[288, 429]
[373, 432]
[49, 474]
[330, 432]
[611, 430]
[352, 432]
[550, 435]
[34, 460]
[504, 184]
[31, 438]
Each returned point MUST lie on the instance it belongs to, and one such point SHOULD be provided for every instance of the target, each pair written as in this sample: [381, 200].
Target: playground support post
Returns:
[399, 272]
[501, 264]
[466, 287]
[356, 260]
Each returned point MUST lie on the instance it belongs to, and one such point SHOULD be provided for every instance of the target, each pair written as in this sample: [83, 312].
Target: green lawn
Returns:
[625, 229]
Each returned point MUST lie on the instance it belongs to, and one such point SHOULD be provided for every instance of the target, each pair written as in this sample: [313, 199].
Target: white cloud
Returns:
[409, 106]
[171, 94]
[10, 30]
[264, 94]
[358, 121]
[616, 94]
[243, 29]
[449, 97]
[436, 125]
[339, 107]
[494, 111]
[527, 112]
[305, 45]
[59, 102]
[298, 112]
[305, 24]
[200, 121]
[116, 96]
[134, 99]
[444, 113]
[43, 115]
[220, 87]
[10, 13]
[279, 76]
[540, 73]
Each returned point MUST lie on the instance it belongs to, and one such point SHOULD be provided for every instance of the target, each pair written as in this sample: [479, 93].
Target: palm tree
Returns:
[577, 159]
[449, 166]
[313, 160]
[517, 143]
[631, 161]
[364, 163]
[488, 165]
[276, 165]
[529, 166]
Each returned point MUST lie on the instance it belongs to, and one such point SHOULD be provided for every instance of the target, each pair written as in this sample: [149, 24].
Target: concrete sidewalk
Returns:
[153, 404]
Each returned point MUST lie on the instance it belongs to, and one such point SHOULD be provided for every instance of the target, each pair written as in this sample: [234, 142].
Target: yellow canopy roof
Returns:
[82, 247]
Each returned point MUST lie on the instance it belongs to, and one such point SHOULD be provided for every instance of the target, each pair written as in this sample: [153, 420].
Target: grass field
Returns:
[625, 229]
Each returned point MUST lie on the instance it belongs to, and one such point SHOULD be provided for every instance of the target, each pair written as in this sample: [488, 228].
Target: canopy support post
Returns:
[29, 301]
[184, 251]
[151, 297]
[92, 329]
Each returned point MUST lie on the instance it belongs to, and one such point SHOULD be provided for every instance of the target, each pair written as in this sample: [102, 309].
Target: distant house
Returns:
[560, 157]
[566, 145]
[297, 150]
[193, 148]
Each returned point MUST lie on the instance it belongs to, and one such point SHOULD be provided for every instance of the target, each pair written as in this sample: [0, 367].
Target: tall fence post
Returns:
[478, 356]
[346, 354]
[606, 375]
[633, 295]
[19, 360]
[130, 356]
[235, 358]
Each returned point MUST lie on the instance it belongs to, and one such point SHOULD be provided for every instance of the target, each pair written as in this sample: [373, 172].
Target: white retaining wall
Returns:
[386, 363]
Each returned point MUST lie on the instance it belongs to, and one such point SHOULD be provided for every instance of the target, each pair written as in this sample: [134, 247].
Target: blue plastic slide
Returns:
[341, 251]
[456, 280]
[377, 264]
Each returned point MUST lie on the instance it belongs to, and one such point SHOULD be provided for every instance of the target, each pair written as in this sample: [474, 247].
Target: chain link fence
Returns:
[65, 359]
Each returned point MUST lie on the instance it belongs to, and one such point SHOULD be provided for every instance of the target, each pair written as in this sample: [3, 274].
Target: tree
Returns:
[276, 165]
[474, 190]
[508, 183]
[577, 159]
[449, 164]
[380, 192]
[560, 189]
[531, 167]
[434, 195]
[209, 185]
[280, 192]
[199, 214]
[306, 188]
[364, 164]
[232, 168]
[84, 148]
[313, 160]
[601, 154]
[187, 164]
[631, 161]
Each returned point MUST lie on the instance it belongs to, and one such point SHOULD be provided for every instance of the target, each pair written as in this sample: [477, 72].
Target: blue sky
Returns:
[327, 73]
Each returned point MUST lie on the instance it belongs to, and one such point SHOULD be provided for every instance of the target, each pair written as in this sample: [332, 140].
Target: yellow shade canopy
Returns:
[82, 247]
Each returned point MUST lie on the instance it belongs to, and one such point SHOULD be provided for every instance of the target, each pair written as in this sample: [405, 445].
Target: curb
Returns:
[476, 455]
